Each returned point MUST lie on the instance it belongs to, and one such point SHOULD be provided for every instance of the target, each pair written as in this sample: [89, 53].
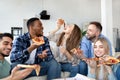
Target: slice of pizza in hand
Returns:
[38, 40]
[112, 60]
[95, 59]
[36, 67]
[74, 50]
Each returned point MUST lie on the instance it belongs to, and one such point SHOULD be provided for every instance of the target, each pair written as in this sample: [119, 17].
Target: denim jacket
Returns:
[20, 54]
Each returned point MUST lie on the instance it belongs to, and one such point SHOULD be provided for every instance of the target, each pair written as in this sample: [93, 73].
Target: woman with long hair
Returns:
[65, 41]
[97, 68]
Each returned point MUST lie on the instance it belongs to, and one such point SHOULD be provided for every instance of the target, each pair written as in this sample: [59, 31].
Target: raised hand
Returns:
[78, 53]
[60, 22]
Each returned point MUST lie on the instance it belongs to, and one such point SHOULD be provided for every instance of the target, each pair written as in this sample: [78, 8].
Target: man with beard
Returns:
[25, 51]
[5, 48]
[93, 32]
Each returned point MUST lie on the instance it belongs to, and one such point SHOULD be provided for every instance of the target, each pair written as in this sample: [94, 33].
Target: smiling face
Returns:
[5, 46]
[99, 49]
[92, 32]
[37, 28]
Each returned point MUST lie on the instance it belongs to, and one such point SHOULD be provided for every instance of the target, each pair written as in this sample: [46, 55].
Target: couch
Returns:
[63, 75]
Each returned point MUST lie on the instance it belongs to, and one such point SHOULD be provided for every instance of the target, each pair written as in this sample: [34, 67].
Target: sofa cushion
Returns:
[63, 75]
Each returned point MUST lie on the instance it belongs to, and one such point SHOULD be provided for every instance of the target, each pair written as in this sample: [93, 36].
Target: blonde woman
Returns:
[103, 71]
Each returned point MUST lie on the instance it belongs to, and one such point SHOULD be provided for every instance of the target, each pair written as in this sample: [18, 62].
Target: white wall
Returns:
[13, 12]
[116, 13]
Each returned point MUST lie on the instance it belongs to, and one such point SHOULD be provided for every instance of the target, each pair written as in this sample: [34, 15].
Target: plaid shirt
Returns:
[20, 54]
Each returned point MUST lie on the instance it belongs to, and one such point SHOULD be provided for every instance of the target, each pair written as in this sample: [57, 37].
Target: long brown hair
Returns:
[73, 40]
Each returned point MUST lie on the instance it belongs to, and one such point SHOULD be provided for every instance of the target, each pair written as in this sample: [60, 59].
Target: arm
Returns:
[91, 73]
[60, 22]
[65, 52]
[21, 50]
[69, 56]
[84, 46]
[55, 30]
[52, 34]
[46, 51]
[72, 58]
[53, 37]
[18, 74]
[92, 65]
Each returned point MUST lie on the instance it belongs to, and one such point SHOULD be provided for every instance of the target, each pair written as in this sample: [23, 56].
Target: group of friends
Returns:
[24, 51]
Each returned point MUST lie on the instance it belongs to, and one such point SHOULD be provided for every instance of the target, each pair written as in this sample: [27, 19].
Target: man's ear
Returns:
[98, 33]
[30, 27]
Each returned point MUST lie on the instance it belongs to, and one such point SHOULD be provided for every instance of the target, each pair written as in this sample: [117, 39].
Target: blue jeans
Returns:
[83, 68]
[69, 68]
[50, 68]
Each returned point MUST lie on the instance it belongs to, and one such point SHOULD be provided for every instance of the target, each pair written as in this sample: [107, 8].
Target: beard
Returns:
[4, 55]
[39, 35]
[91, 37]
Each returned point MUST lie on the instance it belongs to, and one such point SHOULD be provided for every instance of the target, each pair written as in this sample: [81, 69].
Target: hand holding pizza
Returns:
[60, 22]
[74, 51]
[18, 74]
[109, 60]
[38, 40]
[92, 63]
[78, 53]
[35, 66]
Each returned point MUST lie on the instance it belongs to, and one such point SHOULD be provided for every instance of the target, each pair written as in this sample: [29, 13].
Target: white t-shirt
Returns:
[32, 56]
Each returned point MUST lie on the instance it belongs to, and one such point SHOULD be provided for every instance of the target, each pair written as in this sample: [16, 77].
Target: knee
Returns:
[55, 65]
[75, 69]
[83, 68]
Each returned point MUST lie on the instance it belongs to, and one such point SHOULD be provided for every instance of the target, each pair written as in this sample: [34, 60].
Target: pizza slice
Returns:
[36, 67]
[95, 59]
[38, 40]
[74, 50]
[112, 60]
[37, 70]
